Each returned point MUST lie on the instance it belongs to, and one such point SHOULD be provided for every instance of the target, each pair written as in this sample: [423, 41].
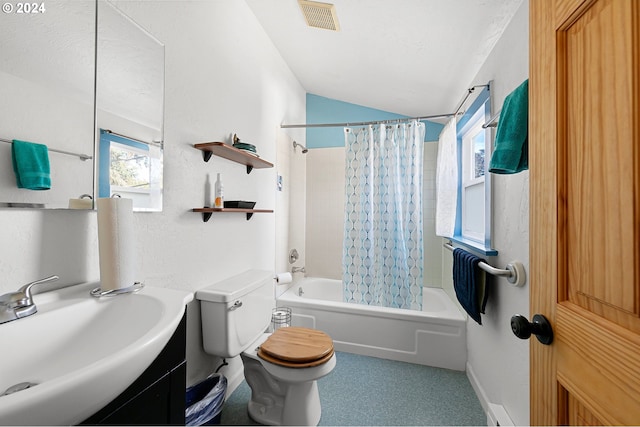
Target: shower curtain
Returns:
[382, 260]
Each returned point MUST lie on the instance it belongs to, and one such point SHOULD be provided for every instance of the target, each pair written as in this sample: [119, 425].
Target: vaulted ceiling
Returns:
[411, 57]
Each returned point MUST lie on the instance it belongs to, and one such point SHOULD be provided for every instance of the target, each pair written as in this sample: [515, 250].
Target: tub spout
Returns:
[297, 270]
[300, 291]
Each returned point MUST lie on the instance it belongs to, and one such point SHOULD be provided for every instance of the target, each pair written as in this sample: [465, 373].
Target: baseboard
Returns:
[234, 381]
[496, 414]
[482, 396]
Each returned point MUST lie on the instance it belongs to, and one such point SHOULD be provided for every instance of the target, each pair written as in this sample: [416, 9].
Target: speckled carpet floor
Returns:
[370, 391]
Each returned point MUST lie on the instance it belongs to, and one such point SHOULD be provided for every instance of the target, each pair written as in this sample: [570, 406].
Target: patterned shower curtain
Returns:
[382, 260]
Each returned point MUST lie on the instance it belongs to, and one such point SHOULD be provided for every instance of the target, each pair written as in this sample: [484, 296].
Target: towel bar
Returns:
[493, 121]
[80, 156]
[514, 272]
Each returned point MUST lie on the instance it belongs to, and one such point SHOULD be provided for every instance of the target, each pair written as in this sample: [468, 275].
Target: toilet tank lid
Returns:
[232, 288]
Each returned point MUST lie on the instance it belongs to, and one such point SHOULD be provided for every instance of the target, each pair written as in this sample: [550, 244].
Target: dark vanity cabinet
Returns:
[157, 397]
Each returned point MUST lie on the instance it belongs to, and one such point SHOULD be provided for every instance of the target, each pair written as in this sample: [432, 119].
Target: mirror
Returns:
[47, 86]
[52, 93]
[129, 109]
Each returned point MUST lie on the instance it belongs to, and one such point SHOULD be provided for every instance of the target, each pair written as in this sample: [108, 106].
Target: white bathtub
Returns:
[435, 336]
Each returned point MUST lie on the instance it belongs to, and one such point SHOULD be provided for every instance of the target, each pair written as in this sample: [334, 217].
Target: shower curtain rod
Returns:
[348, 124]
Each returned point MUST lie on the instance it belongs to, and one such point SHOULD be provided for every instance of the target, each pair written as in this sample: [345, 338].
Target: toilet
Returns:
[282, 368]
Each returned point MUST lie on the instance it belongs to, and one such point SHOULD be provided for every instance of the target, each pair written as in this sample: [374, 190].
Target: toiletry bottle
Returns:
[219, 201]
[207, 193]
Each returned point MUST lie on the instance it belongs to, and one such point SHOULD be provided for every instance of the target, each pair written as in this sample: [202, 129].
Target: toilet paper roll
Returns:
[284, 278]
[116, 243]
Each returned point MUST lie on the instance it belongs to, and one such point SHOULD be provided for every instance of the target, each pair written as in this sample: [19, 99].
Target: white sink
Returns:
[82, 351]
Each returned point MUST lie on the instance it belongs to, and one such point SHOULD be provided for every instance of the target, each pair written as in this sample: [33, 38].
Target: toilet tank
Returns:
[236, 311]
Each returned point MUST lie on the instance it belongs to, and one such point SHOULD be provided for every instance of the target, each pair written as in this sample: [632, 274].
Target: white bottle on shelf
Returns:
[207, 192]
[219, 188]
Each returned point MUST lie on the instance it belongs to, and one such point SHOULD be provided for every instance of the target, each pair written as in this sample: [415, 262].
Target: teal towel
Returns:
[511, 147]
[31, 165]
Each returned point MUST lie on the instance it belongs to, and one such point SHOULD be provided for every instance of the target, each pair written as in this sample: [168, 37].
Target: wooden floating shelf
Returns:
[229, 152]
[206, 212]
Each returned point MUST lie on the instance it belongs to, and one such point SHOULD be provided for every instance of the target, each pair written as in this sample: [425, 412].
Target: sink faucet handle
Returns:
[18, 304]
[26, 290]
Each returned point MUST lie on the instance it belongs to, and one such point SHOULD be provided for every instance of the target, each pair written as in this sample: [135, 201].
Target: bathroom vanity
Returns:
[118, 359]
[157, 397]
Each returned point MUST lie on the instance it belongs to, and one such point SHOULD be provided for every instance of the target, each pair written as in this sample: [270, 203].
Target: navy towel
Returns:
[469, 283]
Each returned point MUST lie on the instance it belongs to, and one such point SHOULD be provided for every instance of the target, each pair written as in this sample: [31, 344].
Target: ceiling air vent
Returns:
[320, 15]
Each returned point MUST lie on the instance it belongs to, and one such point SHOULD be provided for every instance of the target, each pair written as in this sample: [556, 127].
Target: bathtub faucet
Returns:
[297, 270]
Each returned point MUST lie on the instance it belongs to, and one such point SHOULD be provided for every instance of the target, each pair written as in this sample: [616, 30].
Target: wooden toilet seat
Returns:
[295, 347]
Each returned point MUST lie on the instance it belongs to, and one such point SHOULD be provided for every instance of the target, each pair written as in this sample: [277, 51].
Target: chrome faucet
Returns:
[16, 305]
[297, 270]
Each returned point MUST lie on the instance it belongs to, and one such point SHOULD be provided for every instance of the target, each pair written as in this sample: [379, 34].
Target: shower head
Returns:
[304, 149]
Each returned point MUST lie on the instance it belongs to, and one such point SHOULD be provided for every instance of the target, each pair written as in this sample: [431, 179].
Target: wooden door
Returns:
[584, 129]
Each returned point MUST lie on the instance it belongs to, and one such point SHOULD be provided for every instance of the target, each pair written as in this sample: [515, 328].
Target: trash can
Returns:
[204, 401]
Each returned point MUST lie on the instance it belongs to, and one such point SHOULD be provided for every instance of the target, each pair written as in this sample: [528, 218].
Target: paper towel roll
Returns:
[116, 243]
[284, 278]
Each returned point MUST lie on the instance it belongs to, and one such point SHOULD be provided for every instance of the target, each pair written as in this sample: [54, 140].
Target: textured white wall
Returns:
[290, 205]
[223, 76]
[297, 208]
[496, 358]
[283, 201]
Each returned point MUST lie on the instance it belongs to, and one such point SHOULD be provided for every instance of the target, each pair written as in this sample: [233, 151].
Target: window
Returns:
[472, 182]
[130, 168]
[473, 219]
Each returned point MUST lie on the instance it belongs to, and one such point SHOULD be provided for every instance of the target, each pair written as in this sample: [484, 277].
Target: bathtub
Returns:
[435, 336]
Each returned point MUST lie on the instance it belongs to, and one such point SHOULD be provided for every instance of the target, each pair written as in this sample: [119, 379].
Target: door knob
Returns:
[540, 327]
